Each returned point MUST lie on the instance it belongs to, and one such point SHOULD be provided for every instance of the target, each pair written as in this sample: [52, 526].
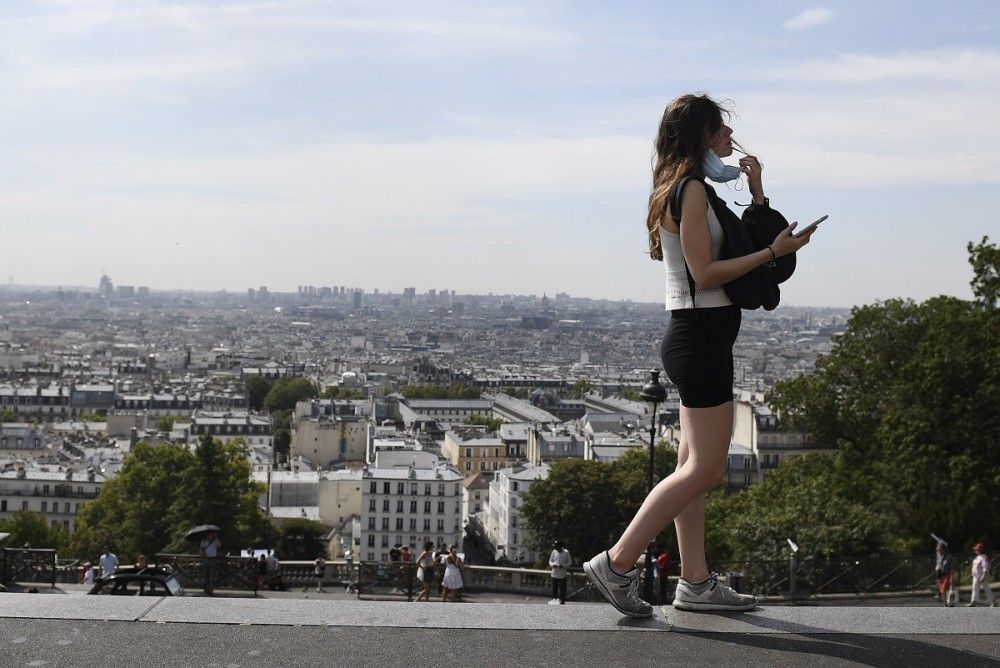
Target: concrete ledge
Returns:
[853, 620]
[767, 620]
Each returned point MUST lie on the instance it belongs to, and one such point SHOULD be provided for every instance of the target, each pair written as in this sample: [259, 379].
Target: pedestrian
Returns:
[262, 573]
[452, 581]
[88, 574]
[274, 580]
[406, 555]
[394, 553]
[140, 564]
[559, 561]
[425, 571]
[685, 232]
[981, 575]
[108, 561]
[440, 555]
[208, 549]
[319, 568]
[662, 564]
[943, 569]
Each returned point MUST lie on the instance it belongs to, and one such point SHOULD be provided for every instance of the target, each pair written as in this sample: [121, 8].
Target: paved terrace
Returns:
[95, 631]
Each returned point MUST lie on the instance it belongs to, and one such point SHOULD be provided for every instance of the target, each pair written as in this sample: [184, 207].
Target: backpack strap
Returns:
[675, 215]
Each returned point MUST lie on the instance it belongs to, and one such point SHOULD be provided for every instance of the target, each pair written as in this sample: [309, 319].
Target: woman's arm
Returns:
[696, 243]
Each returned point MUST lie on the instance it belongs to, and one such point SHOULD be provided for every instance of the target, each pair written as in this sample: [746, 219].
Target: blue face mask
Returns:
[717, 170]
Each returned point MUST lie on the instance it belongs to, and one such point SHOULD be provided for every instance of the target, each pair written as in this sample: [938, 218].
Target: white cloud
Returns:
[810, 18]
[979, 67]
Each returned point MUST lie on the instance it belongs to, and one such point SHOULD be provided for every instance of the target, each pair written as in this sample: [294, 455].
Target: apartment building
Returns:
[53, 491]
[504, 527]
[408, 507]
[474, 451]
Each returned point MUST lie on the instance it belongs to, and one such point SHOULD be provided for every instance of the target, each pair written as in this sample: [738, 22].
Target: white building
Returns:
[53, 491]
[504, 527]
[409, 507]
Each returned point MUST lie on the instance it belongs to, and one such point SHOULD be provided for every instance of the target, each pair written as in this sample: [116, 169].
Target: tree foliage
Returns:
[31, 528]
[163, 491]
[7, 415]
[257, 389]
[337, 392]
[985, 260]
[286, 392]
[301, 539]
[578, 389]
[588, 504]
[491, 424]
[908, 395]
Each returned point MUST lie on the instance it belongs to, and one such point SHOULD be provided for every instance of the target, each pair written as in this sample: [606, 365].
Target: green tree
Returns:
[286, 392]
[216, 489]
[985, 260]
[162, 491]
[579, 388]
[812, 499]
[491, 424]
[908, 396]
[301, 539]
[27, 527]
[336, 392]
[165, 423]
[7, 415]
[257, 389]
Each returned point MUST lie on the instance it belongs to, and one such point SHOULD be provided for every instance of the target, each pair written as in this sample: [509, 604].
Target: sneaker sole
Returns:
[694, 606]
[607, 595]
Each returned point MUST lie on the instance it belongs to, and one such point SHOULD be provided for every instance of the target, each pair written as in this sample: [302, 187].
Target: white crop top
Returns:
[678, 292]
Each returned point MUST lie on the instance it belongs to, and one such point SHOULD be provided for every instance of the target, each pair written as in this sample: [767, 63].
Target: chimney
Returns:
[21, 474]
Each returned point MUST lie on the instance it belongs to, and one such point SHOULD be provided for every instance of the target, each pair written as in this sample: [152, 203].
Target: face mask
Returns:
[717, 170]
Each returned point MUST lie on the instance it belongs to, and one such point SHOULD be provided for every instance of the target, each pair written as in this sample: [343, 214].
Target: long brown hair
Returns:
[680, 149]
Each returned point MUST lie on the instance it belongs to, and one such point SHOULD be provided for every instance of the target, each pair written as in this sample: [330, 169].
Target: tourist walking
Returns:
[452, 581]
[559, 561]
[108, 561]
[261, 573]
[981, 575]
[944, 567]
[685, 232]
[209, 548]
[425, 571]
[319, 569]
[88, 574]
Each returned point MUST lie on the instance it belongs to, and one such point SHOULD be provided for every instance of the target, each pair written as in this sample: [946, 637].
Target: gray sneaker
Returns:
[622, 591]
[711, 595]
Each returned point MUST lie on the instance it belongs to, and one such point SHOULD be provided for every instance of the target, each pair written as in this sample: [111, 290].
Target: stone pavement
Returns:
[98, 631]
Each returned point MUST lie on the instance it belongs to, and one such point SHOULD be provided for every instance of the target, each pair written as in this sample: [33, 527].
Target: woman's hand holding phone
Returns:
[787, 242]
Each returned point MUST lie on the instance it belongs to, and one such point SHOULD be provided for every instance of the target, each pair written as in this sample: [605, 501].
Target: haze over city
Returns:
[482, 148]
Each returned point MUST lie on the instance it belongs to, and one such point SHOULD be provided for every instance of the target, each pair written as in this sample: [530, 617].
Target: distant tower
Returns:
[105, 288]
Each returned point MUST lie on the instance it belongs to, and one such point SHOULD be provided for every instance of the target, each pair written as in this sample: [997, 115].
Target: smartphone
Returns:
[810, 226]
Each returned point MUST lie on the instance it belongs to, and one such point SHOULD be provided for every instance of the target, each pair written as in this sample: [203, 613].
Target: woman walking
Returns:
[425, 571]
[697, 351]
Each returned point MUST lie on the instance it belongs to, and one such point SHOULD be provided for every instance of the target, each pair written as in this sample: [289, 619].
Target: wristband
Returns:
[773, 262]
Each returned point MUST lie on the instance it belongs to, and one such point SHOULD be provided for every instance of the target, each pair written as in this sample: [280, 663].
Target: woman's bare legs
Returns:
[707, 436]
[690, 527]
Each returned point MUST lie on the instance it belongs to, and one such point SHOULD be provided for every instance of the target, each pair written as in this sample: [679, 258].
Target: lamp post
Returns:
[654, 393]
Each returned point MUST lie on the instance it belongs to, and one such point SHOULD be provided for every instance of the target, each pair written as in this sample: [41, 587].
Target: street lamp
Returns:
[654, 393]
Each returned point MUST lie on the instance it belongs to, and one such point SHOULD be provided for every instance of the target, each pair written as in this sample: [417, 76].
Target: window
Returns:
[24, 505]
[401, 488]
[399, 524]
[413, 506]
[399, 505]
[746, 463]
[371, 556]
[427, 525]
[45, 506]
[373, 487]
[371, 505]
[413, 524]
[387, 488]
[385, 524]
[385, 505]
[496, 465]
[441, 489]
[3, 506]
[371, 522]
[427, 506]
[440, 507]
[468, 452]
[427, 489]
[385, 541]
[413, 488]
[384, 556]
[513, 486]
[371, 540]
[440, 525]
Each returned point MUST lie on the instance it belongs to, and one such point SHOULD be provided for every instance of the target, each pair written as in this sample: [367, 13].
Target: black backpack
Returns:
[756, 230]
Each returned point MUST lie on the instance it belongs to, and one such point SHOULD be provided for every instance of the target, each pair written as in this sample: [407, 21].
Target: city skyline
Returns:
[487, 149]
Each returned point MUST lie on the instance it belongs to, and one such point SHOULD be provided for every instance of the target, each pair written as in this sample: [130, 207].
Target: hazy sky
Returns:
[480, 147]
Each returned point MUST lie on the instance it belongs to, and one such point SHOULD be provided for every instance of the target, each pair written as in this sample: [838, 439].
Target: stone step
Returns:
[501, 616]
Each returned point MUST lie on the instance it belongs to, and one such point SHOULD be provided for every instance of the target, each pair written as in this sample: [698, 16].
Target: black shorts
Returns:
[697, 354]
